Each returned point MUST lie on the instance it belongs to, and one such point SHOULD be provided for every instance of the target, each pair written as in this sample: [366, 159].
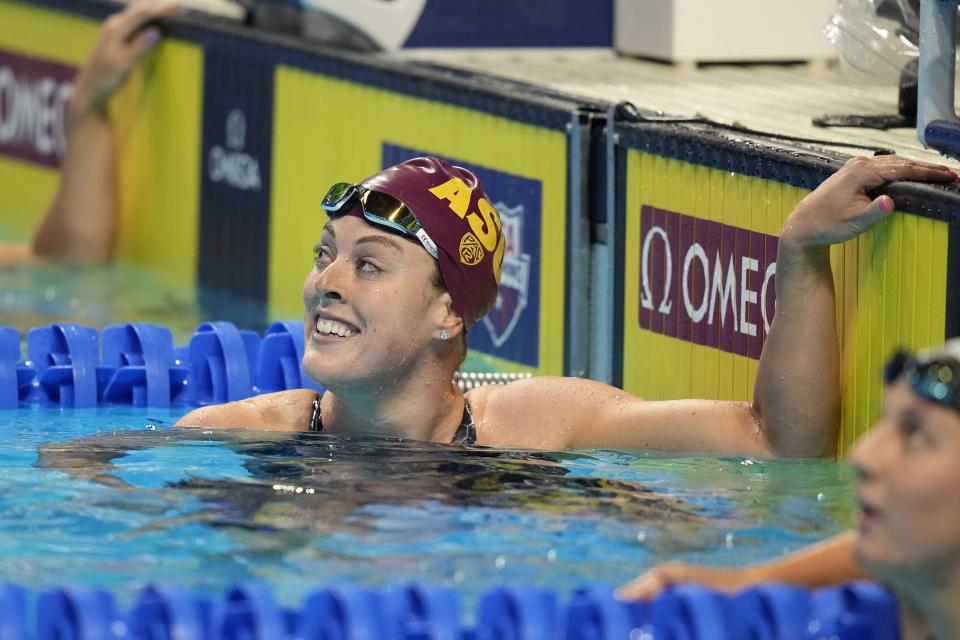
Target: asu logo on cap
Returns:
[486, 232]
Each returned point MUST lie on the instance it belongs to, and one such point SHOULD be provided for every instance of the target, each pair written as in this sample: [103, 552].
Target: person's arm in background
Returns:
[823, 564]
[80, 226]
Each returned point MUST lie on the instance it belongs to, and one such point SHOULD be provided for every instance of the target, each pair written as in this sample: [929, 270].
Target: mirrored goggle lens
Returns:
[337, 196]
[390, 209]
[938, 381]
[384, 209]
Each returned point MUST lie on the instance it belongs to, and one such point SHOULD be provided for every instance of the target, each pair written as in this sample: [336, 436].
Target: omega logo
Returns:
[706, 282]
[232, 165]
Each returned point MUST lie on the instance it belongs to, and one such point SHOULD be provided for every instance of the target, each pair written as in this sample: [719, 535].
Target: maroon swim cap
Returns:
[458, 216]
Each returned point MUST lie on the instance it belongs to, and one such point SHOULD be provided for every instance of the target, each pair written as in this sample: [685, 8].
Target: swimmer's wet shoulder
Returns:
[573, 413]
[544, 413]
[280, 411]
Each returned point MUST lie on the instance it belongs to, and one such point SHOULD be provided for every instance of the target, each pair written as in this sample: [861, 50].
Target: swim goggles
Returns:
[380, 209]
[933, 378]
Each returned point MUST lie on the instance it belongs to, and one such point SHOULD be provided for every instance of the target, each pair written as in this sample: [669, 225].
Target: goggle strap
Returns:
[428, 243]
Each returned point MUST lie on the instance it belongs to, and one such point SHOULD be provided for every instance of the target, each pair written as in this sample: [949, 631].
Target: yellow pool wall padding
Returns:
[890, 282]
[159, 125]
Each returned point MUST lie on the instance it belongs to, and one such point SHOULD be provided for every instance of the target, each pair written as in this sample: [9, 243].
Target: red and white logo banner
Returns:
[706, 282]
[33, 102]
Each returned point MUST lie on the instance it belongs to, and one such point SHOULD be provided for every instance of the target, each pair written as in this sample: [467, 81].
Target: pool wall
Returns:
[228, 139]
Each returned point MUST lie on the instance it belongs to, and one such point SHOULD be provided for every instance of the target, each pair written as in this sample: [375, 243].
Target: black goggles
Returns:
[935, 378]
[380, 209]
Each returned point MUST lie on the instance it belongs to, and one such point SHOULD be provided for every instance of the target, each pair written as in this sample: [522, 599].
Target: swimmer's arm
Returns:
[280, 411]
[574, 413]
[11, 254]
[91, 458]
[823, 564]
[81, 224]
[797, 390]
[86, 459]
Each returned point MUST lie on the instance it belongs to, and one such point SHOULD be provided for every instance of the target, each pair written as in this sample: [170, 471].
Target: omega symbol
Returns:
[236, 129]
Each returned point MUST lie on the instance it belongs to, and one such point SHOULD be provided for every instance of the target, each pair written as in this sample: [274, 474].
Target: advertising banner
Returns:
[33, 102]
[706, 282]
[699, 285]
[235, 184]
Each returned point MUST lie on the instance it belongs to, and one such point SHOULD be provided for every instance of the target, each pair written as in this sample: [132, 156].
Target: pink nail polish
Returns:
[887, 205]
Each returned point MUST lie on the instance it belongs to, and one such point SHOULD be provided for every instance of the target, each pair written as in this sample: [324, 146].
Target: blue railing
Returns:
[72, 366]
[423, 612]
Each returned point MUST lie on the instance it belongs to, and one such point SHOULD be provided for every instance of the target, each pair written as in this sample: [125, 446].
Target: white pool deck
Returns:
[772, 98]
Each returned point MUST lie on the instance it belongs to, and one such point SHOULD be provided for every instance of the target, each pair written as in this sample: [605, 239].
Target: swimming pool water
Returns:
[115, 498]
[101, 296]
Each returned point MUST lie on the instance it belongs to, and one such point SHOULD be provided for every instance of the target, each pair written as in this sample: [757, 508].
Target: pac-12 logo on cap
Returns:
[484, 223]
[471, 252]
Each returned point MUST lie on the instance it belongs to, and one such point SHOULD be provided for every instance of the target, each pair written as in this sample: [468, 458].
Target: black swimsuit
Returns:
[466, 432]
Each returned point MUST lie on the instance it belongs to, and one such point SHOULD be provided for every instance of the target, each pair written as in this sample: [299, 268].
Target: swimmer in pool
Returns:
[410, 259]
[908, 522]
[80, 225]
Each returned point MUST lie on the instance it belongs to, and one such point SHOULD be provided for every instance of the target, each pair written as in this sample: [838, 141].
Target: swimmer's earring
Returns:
[444, 335]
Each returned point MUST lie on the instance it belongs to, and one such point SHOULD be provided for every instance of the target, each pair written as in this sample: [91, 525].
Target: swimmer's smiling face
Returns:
[371, 307]
[908, 489]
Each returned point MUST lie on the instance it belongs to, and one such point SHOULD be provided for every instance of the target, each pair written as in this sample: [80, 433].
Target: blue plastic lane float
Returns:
[422, 611]
[222, 362]
[518, 613]
[594, 614]
[66, 358]
[344, 613]
[855, 610]
[13, 612]
[280, 355]
[687, 612]
[249, 611]
[140, 366]
[773, 612]
[168, 613]
[76, 613]
[9, 360]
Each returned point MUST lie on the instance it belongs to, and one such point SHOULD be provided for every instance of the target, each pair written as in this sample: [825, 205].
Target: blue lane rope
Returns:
[72, 366]
[248, 611]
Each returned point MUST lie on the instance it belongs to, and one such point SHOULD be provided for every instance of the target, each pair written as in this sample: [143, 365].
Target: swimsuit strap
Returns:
[466, 432]
[316, 417]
